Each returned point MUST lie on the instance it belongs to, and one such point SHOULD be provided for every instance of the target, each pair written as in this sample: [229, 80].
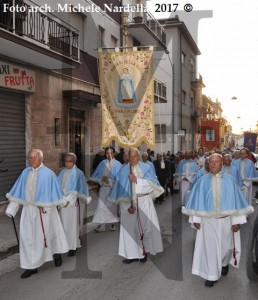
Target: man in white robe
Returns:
[105, 175]
[139, 231]
[246, 169]
[231, 169]
[74, 182]
[216, 207]
[185, 175]
[41, 231]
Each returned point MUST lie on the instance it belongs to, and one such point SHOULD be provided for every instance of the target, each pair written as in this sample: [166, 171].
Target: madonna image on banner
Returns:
[126, 91]
[210, 135]
[127, 98]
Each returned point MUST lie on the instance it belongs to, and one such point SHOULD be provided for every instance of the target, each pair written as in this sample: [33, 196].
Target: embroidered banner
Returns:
[210, 134]
[250, 141]
[126, 84]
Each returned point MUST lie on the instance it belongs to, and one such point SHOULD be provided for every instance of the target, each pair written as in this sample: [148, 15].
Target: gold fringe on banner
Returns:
[127, 96]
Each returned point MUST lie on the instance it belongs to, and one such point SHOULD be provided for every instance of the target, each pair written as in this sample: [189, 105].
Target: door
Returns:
[12, 139]
[77, 136]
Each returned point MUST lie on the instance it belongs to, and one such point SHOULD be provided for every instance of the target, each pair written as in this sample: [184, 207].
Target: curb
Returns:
[11, 262]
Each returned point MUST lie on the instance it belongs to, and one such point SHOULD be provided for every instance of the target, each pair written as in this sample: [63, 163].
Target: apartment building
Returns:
[178, 92]
[49, 83]
[49, 88]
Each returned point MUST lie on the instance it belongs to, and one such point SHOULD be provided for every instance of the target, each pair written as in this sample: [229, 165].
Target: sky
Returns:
[228, 63]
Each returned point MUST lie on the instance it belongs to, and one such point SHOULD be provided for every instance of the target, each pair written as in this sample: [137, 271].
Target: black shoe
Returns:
[28, 273]
[71, 252]
[143, 260]
[58, 260]
[129, 261]
[224, 271]
[209, 283]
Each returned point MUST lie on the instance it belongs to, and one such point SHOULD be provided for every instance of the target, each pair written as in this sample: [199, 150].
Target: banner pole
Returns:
[131, 186]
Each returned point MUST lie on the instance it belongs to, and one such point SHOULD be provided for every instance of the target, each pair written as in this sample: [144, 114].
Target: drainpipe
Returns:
[181, 104]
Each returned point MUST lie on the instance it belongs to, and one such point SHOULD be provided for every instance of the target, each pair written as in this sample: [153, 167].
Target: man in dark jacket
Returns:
[162, 171]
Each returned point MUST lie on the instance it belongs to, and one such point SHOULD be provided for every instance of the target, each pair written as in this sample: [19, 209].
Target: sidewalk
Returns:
[9, 256]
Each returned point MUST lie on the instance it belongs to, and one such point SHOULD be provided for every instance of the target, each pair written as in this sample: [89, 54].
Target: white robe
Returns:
[185, 187]
[247, 188]
[72, 216]
[72, 223]
[186, 181]
[214, 245]
[105, 212]
[130, 245]
[33, 252]
[247, 191]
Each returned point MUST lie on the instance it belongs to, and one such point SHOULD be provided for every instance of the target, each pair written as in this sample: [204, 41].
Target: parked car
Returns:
[252, 246]
[256, 157]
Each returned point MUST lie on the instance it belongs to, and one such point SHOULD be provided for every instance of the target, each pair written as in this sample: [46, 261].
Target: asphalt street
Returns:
[97, 272]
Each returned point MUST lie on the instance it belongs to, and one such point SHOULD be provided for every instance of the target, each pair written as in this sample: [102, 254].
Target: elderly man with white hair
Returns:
[41, 232]
[231, 169]
[73, 180]
[145, 160]
[216, 207]
[248, 173]
[135, 187]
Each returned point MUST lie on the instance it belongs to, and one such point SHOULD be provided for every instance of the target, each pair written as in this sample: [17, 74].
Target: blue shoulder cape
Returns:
[181, 168]
[233, 171]
[250, 171]
[201, 203]
[151, 165]
[102, 170]
[48, 190]
[199, 174]
[76, 183]
[121, 190]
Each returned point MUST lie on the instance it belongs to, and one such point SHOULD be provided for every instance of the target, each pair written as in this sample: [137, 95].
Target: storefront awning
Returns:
[82, 96]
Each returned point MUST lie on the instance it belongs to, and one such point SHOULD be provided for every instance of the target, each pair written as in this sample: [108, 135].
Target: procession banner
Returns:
[127, 93]
[250, 141]
[210, 134]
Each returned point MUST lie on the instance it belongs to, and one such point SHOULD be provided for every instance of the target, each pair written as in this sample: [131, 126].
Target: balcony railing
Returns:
[41, 28]
[196, 111]
[149, 20]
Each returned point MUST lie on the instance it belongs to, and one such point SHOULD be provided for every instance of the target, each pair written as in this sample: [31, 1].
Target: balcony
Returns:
[36, 38]
[146, 29]
[195, 112]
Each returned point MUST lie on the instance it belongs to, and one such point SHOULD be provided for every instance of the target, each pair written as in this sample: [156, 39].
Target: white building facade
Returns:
[177, 110]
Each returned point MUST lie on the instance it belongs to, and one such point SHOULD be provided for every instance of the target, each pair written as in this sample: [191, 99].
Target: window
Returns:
[113, 41]
[101, 37]
[160, 133]
[183, 57]
[57, 125]
[192, 99]
[183, 97]
[192, 62]
[160, 92]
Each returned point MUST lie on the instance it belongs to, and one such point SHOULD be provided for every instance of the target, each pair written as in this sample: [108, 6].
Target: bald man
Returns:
[41, 232]
[135, 188]
[216, 207]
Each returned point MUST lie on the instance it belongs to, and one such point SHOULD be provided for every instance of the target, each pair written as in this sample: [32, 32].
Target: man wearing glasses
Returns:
[41, 232]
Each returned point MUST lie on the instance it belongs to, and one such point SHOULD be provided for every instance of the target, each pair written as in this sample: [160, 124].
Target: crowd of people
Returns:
[215, 191]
